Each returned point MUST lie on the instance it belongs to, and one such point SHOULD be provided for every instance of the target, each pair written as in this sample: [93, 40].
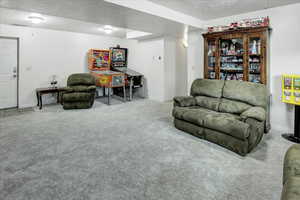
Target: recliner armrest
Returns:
[92, 87]
[185, 101]
[66, 89]
[257, 113]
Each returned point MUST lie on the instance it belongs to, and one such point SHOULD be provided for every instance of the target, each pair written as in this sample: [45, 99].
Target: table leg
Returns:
[41, 102]
[124, 92]
[38, 99]
[103, 91]
[57, 96]
[108, 97]
[130, 89]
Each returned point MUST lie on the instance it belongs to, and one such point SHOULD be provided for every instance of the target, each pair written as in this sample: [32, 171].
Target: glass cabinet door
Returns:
[211, 59]
[254, 59]
[232, 59]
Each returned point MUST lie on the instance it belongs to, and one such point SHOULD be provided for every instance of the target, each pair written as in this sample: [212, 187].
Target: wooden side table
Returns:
[50, 90]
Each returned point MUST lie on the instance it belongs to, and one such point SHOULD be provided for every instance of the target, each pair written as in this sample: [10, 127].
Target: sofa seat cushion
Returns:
[206, 87]
[77, 96]
[229, 124]
[291, 189]
[224, 122]
[231, 106]
[208, 102]
[193, 115]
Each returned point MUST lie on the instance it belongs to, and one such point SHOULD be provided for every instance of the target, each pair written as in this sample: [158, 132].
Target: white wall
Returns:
[44, 53]
[284, 55]
[147, 57]
[195, 60]
[165, 77]
[181, 69]
[170, 68]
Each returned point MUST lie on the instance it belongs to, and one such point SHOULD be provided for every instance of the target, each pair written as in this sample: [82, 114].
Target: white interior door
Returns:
[8, 73]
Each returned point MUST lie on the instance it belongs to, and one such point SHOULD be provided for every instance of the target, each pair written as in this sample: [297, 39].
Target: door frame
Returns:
[18, 66]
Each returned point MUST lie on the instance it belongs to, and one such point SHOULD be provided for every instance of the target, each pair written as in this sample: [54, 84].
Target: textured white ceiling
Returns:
[15, 17]
[98, 12]
[211, 9]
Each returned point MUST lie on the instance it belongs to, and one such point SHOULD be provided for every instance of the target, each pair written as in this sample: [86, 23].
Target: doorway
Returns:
[9, 48]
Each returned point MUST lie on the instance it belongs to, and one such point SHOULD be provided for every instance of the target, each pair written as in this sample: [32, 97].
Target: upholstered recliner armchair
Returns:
[232, 114]
[80, 92]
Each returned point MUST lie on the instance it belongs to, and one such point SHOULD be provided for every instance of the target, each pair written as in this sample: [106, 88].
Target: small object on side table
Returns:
[49, 90]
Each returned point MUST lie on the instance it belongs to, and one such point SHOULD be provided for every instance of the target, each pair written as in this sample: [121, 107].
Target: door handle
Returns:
[15, 75]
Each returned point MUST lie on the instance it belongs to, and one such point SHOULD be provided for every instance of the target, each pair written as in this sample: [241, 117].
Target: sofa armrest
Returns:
[291, 167]
[184, 101]
[257, 113]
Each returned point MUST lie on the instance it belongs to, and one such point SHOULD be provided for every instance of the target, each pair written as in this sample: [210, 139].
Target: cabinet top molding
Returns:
[238, 30]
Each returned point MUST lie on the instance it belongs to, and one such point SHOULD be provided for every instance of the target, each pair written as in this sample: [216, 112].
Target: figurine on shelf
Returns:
[258, 47]
[209, 51]
[254, 48]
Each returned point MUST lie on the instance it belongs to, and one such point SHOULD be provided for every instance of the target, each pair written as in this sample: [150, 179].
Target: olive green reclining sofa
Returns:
[80, 91]
[229, 113]
[291, 174]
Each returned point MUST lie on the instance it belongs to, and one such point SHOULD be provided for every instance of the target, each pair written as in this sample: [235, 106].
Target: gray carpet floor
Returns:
[127, 151]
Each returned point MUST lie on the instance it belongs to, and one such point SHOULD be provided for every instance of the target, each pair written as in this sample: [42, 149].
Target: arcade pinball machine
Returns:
[99, 66]
[119, 60]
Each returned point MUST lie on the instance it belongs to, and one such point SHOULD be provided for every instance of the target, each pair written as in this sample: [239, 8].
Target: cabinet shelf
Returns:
[232, 70]
[227, 55]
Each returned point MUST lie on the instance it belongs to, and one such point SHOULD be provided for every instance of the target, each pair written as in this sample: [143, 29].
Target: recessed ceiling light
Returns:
[108, 29]
[36, 18]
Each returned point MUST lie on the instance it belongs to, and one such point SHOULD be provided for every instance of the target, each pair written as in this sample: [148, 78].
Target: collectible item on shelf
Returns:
[287, 82]
[297, 83]
[254, 78]
[254, 49]
[98, 59]
[118, 56]
[245, 23]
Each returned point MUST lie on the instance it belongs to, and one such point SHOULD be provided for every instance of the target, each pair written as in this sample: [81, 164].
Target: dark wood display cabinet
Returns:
[237, 55]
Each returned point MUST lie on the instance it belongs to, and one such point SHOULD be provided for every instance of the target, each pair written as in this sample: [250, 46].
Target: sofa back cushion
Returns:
[210, 103]
[232, 106]
[251, 93]
[206, 87]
